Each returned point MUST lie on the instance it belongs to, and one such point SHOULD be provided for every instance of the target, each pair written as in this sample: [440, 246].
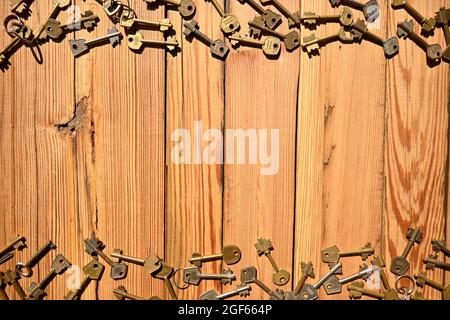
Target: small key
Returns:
[81, 46]
[54, 29]
[218, 49]
[26, 269]
[311, 20]
[58, 267]
[230, 254]
[280, 276]
[442, 18]
[356, 291]
[94, 247]
[120, 293]
[293, 18]
[93, 272]
[400, 265]
[269, 18]
[229, 23]
[389, 293]
[151, 264]
[439, 246]
[242, 290]
[311, 292]
[113, 8]
[271, 46]
[332, 255]
[193, 276]
[370, 9]
[12, 278]
[250, 275]
[312, 45]
[433, 262]
[186, 8]
[307, 272]
[20, 6]
[428, 25]
[15, 242]
[334, 285]
[165, 274]
[422, 281]
[128, 21]
[3, 295]
[59, 5]
[136, 41]
[291, 40]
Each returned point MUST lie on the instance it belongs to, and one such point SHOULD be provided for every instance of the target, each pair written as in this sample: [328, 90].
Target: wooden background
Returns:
[85, 147]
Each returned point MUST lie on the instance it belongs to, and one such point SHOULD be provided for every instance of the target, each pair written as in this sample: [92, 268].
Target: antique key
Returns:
[186, 8]
[264, 247]
[230, 254]
[193, 276]
[94, 247]
[442, 18]
[390, 46]
[433, 262]
[58, 267]
[389, 293]
[5, 54]
[151, 264]
[250, 275]
[136, 41]
[54, 29]
[15, 242]
[58, 6]
[370, 9]
[312, 45]
[128, 21]
[422, 280]
[291, 40]
[428, 25]
[165, 274]
[120, 293]
[81, 46]
[93, 272]
[26, 269]
[400, 265]
[3, 295]
[229, 23]
[334, 285]
[311, 292]
[307, 272]
[356, 291]
[269, 18]
[293, 18]
[113, 8]
[439, 246]
[271, 46]
[332, 255]
[12, 278]
[20, 6]
[242, 290]
[311, 20]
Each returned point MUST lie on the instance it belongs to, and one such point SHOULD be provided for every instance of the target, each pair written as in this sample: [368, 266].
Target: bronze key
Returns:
[428, 25]
[400, 265]
[128, 20]
[250, 275]
[356, 291]
[433, 262]
[12, 278]
[293, 18]
[136, 41]
[390, 293]
[186, 8]
[269, 18]
[54, 29]
[94, 272]
[16, 242]
[312, 44]
[230, 254]
[422, 280]
[291, 40]
[3, 295]
[334, 285]
[271, 46]
[241, 290]
[59, 5]
[20, 6]
[26, 269]
[152, 264]
[311, 292]
[280, 276]
[120, 293]
[442, 18]
[166, 273]
[229, 23]
[439, 246]
[307, 272]
[311, 20]
[370, 9]
[332, 255]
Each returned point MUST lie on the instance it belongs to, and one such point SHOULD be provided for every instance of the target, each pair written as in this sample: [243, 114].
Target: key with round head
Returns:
[120, 293]
[26, 269]
[136, 42]
[269, 18]
[439, 246]
[311, 20]
[370, 9]
[250, 275]
[271, 46]
[389, 293]
[165, 274]
[400, 265]
[128, 21]
[12, 278]
[293, 18]
[264, 247]
[16, 242]
[356, 291]
[334, 285]
[152, 264]
[307, 272]
[332, 255]
[230, 254]
[311, 292]
[242, 290]
[82, 46]
[442, 21]
[186, 8]
[428, 25]
[229, 23]
[93, 271]
[291, 40]
[422, 281]
[433, 262]
[194, 276]
[55, 29]
[312, 44]
[3, 295]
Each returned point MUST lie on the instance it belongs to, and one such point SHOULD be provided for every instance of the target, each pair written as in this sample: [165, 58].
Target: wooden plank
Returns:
[416, 147]
[261, 94]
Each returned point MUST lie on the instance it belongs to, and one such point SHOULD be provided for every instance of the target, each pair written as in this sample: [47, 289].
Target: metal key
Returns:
[59, 5]
[165, 274]
[370, 9]
[433, 262]
[113, 8]
[356, 291]
[332, 255]
[54, 29]
[307, 272]
[428, 25]
[422, 280]
[151, 264]
[442, 18]
[26, 269]
[311, 292]
[12, 278]
[193, 276]
[229, 23]
[130, 21]
[58, 267]
[20, 6]
[93, 272]
[120, 293]
[230, 254]
[271, 46]
[269, 18]
[250, 275]
[293, 18]
[400, 265]
[390, 293]
[291, 40]
[311, 20]
[136, 41]
[439, 246]
[264, 247]
[3, 295]
[94, 247]
[242, 290]
[312, 45]
[186, 8]
[81, 46]
[334, 285]
[15, 242]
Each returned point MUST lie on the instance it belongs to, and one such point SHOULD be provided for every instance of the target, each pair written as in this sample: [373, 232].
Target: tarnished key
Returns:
[229, 23]
[442, 18]
[311, 20]
[334, 285]
[136, 41]
[3, 295]
[12, 278]
[165, 274]
[130, 21]
[15, 242]
[26, 269]
[312, 44]
[250, 275]
[422, 280]
[54, 29]
[20, 6]
[113, 8]
[356, 291]
[151, 264]
[186, 8]
[218, 49]
[291, 40]
[370, 9]
[271, 46]
[269, 18]
[120, 293]
[93, 272]
[439, 246]
[230, 254]
[390, 293]
[81, 46]
[311, 292]
[293, 18]
[264, 247]
[428, 25]
[332, 255]
[433, 262]
[193, 276]
[59, 5]
[307, 272]
[400, 265]
[242, 290]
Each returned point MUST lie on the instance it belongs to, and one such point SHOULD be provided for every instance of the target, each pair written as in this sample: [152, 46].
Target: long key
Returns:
[128, 21]
[113, 8]
[136, 41]
[422, 280]
[271, 46]
[242, 290]
[81, 46]
[58, 6]
[151, 264]
[311, 292]
[307, 272]
[442, 18]
[311, 20]
[229, 23]
[93, 272]
[120, 293]
[3, 295]
[20, 6]
[230, 254]
[250, 275]
[54, 29]
[332, 255]
[218, 49]
[433, 262]
[439, 246]
[428, 25]
[293, 18]
[26, 269]
[166, 274]
[312, 45]
[334, 285]
[400, 265]
[390, 293]
[15, 242]
[194, 276]
[356, 291]
[264, 247]
[186, 8]
[12, 278]
[270, 19]
[370, 9]
[291, 40]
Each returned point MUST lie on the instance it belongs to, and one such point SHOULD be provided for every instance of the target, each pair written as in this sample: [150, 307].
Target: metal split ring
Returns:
[186, 285]
[405, 291]
[24, 270]
[15, 21]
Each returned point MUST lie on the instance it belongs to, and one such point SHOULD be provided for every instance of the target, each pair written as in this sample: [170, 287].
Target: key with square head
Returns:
[93, 272]
[312, 44]
[334, 285]
[293, 18]
[12, 278]
[311, 292]
[120, 293]
[3, 295]
[26, 269]
[165, 274]
[152, 264]
[311, 20]
[242, 290]
[389, 293]
[307, 272]
[20, 6]
[136, 42]
[370, 9]
[422, 280]
[186, 8]
[264, 247]
[250, 275]
[229, 23]
[428, 25]
[356, 291]
[55, 29]
[59, 5]
[81, 46]
[400, 265]
[16, 242]
[269, 18]
[442, 21]
[291, 40]
[439, 246]
[130, 21]
[332, 255]
[433, 262]
[193, 276]
[230, 254]
[60, 265]
[271, 46]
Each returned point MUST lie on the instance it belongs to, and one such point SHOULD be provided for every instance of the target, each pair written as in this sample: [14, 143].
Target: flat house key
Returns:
[58, 5]
[136, 41]
[390, 293]
[250, 275]
[37, 290]
[400, 265]
[334, 285]
[152, 264]
[26, 269]
[311, 292]
[428, 25]
[94, 247]
[120, 293]
[12, 278]
[127, 21]
[293, 18]
[264, 247]
[165, 274]
[186, 8]
[271, 46]
[439, 246]
[3, 295]
[93, 272]
[422, 280]
[15, 242]
[242, 290]
[307, 272]
[311, 20]
[266, 16]
[230, 254]
[433, 262]
[54, 29]
[332, 255]
[312, 44]
[356, 291]
[81, 46]
[291, 40]
[370, 9]
[229, 23]
[194, 276]
[442, 18]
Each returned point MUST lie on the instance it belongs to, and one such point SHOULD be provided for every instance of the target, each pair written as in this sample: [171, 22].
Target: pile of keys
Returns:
[261, 33]
[332, 282]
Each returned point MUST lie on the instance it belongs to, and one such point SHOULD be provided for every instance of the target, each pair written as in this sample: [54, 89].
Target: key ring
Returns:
[186, 285]
[14, 21]
[405, 291]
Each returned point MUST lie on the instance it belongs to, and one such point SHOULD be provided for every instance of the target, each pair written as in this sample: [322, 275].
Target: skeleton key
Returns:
[166, 274]
[311, 292]
[307, 272]
[312, 45]
[136, 41]
[422, 280]
[128, 21]
[94, 247]
[120, 293]
[442, 18]
[389, 293]
[334, 285]
[332, 255]
[400, 265]
[293, 18]
[26, 269]
[93, 272]
[428, 25]
[58, 267]
[291, 40]
[81, 46]
[230, 254]
[20, 6]
[193, 276]
[280, 276]
[54, 29]
[186, 8]
[271, 46]
[220, 50]
[12, 278]
[151, 264]
[242, 290]
[356, 291]
[250, 275]
[15, 242]
[439, 246]
[433, 262]
[370, 9]
[229, 23]
[271, 19]
[311, 20]
[58, 6]
[3, 295]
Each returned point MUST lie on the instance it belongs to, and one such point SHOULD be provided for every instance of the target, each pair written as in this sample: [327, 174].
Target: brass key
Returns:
[422, 280]
[433, 262]
[194, 276]
[165, 274]
[370, 9]
[58, 6]
[291, 40]
[186, 8]
[16, 242]
[3, 295]
[311, 292]
[400, 265]
[390, 293]
[293, 18]
[428, 25]
[334, 285]
[311, 20]
[264, 247]
[241, 290]
[12, 278]
[136, 41]
[307, 272]
[20, 6]
[81, 46]
[113, 8]
[442, 18]
[332, 255]
[312, 45]
[93, 272]
[250, 275]
[229, 23]
[26, 269]
[152, 264]
[269, 18]
[271, 46]
[54, 29]
[120, 293]
[439, 246]
[128, 21]
[230, 254]
[356, 291]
